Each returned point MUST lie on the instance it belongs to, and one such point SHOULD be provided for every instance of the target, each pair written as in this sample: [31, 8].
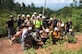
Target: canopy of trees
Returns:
[9, 6]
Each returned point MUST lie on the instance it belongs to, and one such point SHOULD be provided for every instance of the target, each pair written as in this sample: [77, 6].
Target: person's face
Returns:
[59, 20]
[37, 19]
[69, 20]
[19, 17]
[54, 17]
[11, 18]
[28, 18]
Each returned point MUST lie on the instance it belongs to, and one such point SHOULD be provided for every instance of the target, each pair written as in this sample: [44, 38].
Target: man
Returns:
[45, 23]
[10, 27]
[28, 21]
[37, 39]
[19, 21]
[51, 24]
[45, 35]
[68, 26]
[38, 23]
[55, 22]
[23, 18]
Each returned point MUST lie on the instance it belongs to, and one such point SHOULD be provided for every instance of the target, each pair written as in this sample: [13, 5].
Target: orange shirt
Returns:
[56, 34]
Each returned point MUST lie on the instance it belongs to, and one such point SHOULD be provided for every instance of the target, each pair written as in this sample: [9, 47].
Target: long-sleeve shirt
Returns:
[36, 37]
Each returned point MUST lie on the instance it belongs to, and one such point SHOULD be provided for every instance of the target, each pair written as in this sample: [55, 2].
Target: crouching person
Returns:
[71, 37]
[70, 33]
[45, 35]
[55, 35]
[37, 39]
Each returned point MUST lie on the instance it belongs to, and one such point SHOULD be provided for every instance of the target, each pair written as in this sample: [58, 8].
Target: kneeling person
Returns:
[55, 35]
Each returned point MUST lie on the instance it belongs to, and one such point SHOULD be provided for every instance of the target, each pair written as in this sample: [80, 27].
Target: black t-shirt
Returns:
[45, 23]
[55, 22]
[23, 20]
[69, 24]
[19, 22]
[10, 23]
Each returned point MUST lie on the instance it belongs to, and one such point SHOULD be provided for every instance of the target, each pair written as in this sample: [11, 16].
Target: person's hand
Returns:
[40, 42]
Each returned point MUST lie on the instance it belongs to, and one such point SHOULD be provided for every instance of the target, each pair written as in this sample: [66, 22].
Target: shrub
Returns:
[48, 42]
[30, 51]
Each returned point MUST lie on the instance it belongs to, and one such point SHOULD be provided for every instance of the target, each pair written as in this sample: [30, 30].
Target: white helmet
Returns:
[70, 30]
[56, 29]
[34, 12]
[51, 18]
[41, 31]
[11, 16]
[38, 16]
[23, 15]
[46, 30]
[62, 25]
[43, 17]
[30, 28]
[33, 15]
[27, 15]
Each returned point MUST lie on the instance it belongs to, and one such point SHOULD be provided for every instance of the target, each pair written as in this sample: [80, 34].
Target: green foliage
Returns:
[67, 52]
[80, 51]
[14, 7]
[74, 13]
[30, 51]
[48, 42]
[71, 39]
[64, 52]
[60, 41]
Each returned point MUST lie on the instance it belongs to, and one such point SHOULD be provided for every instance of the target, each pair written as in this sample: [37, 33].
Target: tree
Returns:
[80, 3]
[17, 8]
[32, 5]
[75, 2]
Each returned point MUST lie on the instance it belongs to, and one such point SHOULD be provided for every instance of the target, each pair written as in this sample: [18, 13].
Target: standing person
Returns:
[68, 26]
[10, 27]
[33, 21]
[59, 24]
[28, 21]
[46, 22]
[23, 18]
[43, 23]
[50, 24]
[55, 22]
[35, 14]
[40, 16]
[19, 21]
[38, 23]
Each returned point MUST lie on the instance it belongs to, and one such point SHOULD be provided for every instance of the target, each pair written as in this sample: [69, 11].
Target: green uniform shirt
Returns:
[38, 24]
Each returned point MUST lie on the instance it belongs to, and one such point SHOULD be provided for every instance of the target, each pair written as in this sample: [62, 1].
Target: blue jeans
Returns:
[23, 39]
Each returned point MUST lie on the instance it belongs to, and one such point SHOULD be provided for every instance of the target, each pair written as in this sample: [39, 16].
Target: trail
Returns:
[6, 48]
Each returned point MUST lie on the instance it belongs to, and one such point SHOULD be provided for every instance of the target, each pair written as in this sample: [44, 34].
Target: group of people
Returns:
[36, 29]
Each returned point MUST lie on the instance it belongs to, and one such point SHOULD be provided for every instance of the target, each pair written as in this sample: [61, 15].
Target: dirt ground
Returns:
[6, 48]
